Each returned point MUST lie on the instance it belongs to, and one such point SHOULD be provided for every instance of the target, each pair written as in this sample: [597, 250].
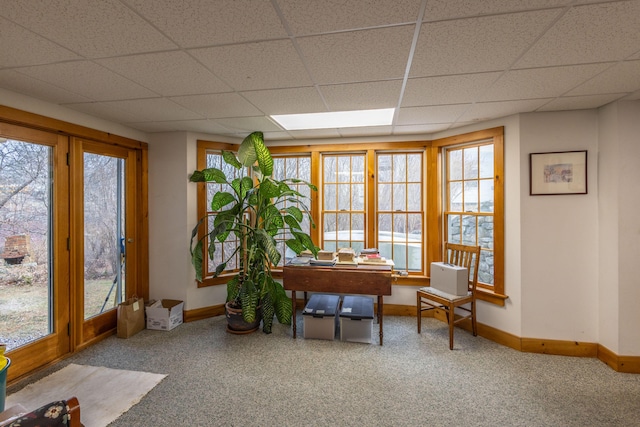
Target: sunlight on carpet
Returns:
[104, 394]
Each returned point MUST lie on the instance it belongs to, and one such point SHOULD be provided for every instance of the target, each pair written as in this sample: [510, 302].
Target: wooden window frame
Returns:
[406, 211]
[435, 215]
[203, 147]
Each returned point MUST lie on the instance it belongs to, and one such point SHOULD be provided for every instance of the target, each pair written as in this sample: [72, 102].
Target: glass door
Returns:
[34, 256]
[105, 233]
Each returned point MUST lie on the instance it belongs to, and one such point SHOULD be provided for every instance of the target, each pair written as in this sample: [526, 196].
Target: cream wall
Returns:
[619, 246]
[560, 234]
[629, 228]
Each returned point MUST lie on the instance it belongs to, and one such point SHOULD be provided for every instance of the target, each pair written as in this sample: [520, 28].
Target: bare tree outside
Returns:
[26, 215]
[25, 199]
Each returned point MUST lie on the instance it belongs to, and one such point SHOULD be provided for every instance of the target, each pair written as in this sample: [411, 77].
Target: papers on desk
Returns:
[299, 260]
[303, 260]
[329, 262]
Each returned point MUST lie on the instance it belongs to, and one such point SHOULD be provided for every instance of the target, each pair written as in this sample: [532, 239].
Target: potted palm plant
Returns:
[251, 210]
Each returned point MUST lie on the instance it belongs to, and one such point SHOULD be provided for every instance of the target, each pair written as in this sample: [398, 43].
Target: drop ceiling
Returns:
[223, 66]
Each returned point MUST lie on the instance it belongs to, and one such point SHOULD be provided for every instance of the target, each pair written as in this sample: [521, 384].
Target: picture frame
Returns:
[558, 173]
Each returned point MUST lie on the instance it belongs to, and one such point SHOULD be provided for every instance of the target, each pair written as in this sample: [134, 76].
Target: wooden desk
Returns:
[363, 280]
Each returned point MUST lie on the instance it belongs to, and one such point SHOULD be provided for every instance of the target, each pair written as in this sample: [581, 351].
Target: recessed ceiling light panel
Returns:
[337, 119]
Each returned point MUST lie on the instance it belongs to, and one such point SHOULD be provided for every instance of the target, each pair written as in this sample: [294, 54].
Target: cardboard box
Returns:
[320, 317]
[449, 278]
[356, 319]
[165, 314]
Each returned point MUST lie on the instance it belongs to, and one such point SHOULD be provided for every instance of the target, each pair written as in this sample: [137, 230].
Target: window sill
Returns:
[491, 297]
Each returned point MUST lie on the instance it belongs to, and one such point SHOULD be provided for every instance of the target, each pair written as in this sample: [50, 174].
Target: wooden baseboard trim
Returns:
[203, 313]
[627, 364]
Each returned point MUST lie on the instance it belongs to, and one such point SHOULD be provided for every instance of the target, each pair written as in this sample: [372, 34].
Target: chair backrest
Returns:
[467, 257]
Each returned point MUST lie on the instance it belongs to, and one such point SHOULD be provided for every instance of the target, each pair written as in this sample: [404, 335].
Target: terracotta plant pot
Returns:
[236, 323]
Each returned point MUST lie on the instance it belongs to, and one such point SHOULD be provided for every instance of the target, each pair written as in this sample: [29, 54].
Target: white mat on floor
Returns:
[104, 394]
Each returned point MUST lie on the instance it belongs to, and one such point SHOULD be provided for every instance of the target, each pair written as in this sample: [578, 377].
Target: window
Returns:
[400, 209]
[405, 198]
[296, 167]
[223, 250]
[210, 156]
[472, 200]
[469, 201]
[343, 196]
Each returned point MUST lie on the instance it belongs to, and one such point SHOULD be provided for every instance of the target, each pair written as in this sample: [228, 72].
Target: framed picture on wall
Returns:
[561, 172]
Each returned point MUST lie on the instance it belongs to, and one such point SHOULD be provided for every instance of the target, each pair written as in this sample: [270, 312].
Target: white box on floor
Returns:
[320, 317]
[356, 319]
[165, 314]
[449, 278]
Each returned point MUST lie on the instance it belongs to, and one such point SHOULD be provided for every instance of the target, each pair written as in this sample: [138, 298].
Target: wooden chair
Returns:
[429, 298]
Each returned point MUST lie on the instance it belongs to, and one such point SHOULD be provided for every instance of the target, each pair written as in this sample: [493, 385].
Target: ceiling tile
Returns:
[594, 33]
[358, 56]
[362, 96]
[540, 83]
[93, 28]
[37, 89]
[89, 79]
[458, 89]
[199, 23]
[430, 115]
[249, 124]
[579, 102]
[622, 77]
[453, 9]
[202, 126]
[217, 106]
[167, 73]
[263, 65]
[287, 101]
[137, 110]
[41, 50]
[312, 17]
[493, 110]
[477, 44]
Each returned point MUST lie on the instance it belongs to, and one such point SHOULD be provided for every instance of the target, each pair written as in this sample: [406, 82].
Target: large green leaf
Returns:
[232, 288]
[283, 305]
[301, 181]
[221, 199]
[249, 297]
[231, 159]
[268, 310]
[292, 222]
[247, 150]
[268, 189]
[265, 161]
[268, 243]
[253, 149]
[295, 212]
[209, 175]
[246, 185]
[197, 259]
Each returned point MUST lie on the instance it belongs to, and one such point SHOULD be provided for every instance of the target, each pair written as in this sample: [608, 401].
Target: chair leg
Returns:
[419, 308]
[451, 318]
[474, 324]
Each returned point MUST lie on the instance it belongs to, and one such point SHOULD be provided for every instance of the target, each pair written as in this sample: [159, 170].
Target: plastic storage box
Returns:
[356, 319]
[321, 317]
